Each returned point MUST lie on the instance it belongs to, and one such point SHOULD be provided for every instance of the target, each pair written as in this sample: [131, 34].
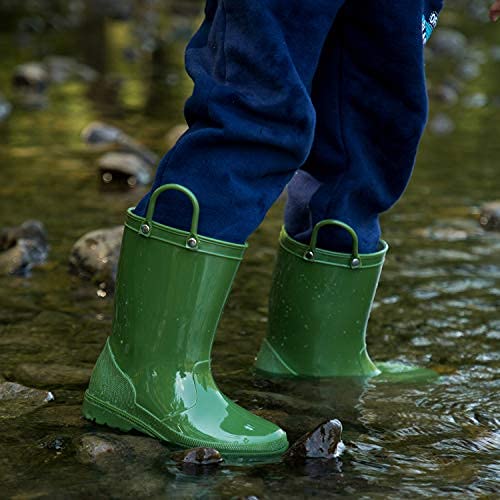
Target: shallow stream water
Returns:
[437, 306]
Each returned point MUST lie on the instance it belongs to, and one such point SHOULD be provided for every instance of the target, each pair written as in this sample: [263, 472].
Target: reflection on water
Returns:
[437, 305]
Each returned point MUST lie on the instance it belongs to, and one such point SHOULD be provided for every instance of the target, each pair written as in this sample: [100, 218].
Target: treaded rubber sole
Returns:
[103, 416]
[104, 413]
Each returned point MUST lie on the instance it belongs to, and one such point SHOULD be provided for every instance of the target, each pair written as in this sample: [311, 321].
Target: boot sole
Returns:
[103, 413]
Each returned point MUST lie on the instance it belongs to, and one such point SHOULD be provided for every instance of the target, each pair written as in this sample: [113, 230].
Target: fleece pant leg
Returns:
[251, 117]
[370, 97]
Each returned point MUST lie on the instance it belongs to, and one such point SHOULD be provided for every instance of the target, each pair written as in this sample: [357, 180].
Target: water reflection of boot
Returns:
[154, 374]
[319, 308]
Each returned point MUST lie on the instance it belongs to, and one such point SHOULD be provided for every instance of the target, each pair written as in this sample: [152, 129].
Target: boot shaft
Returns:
[319, 308]
[172, 286]
[169, 297]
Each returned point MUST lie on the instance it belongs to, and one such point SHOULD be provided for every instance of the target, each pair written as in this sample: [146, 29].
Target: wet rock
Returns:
[51, 374]
[124, 169]
[444, 93]
[16, 399]
[92, 448]
[100, 136]
[323, 442]
[17, 260]
[476, 101]
[447, 42]
[5, 108]
[32, 76]
[29, 230]
[441, 124]
[468, 70]
[23, 247]
[174, 134]
[61, 69]
[30, 81]
[95, 255]
[198, 456]
[105, 447]
[490, 216]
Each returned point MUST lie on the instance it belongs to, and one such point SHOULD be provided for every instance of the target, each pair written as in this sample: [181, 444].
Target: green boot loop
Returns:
[319, 308]
[154, 374]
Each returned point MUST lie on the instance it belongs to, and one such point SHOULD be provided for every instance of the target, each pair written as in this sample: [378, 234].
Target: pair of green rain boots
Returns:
[154, 374]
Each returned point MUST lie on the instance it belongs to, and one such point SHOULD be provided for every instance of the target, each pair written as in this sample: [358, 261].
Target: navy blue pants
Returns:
[325, 96]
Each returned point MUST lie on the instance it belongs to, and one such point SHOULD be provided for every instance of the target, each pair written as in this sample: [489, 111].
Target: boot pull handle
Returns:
[310, 252]
[192, 240]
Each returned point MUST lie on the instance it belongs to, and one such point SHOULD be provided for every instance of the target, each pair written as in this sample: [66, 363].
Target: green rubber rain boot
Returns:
[319, 308]
[154, 373]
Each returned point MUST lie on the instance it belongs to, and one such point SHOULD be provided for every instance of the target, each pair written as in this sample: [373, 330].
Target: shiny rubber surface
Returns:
[155, 369]
[318, 312]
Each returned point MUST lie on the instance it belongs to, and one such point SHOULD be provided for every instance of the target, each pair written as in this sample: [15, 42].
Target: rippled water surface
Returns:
[437, 306]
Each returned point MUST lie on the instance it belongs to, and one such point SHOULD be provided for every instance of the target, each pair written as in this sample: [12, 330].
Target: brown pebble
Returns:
[198, 456]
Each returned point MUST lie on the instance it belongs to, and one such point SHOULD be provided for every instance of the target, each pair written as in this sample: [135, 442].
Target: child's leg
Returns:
[251, 117]
[370, 97]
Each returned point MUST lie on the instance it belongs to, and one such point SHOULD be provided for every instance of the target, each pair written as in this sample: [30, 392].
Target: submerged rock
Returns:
[198, 456]
[441, 124]
[92, 448]
[444, 93]
[23, 247]
[490, 216]
[102, 136]
[101, 447]
[16, 399]
[29, 230]
[448, 42]
[95, 255]
[468, 70]
[52, 374]
[323, 442]
[476, 100]
[124, 169]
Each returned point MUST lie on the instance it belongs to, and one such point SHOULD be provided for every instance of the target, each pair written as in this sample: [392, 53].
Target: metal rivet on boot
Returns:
[145, 229]
[355, 263]
[192, 242]
[309, 255]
